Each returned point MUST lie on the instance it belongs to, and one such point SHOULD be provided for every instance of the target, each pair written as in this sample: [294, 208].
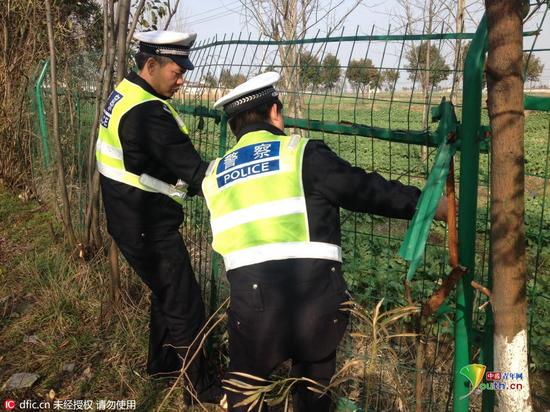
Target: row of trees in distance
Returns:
[363, 75]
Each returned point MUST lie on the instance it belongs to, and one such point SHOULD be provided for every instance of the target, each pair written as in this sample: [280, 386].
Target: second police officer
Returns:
[275, 202]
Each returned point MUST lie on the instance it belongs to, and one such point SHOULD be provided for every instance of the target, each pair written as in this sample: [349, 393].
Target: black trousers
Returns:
[177, 308]
[288, 315]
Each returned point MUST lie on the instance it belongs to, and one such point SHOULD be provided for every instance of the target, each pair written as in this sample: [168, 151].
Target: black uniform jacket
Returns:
[292, 311]
[152, 143]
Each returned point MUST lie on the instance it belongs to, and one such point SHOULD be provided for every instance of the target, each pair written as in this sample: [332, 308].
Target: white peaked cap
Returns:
[172, 44]
[251, 93]
[166, 37]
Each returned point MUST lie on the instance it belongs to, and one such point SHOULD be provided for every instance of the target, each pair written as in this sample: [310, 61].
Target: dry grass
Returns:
[372, 362]
[63, 305]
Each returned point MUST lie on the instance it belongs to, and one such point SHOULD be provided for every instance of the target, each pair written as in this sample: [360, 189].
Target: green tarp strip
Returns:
[414, 244]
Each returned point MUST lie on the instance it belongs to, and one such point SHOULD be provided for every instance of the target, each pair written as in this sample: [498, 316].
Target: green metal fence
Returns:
[380, 121]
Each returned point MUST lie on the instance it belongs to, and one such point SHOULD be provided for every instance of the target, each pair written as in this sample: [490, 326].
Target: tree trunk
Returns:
[120, 47]
[505, 104]
[62, 185]
[114, 286]
[123, 17]
[419, 365]
[425, 76]
[92, 209]
[459, 58]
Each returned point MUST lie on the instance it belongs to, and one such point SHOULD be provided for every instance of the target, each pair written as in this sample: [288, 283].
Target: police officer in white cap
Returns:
[274, 202]
[143, 151]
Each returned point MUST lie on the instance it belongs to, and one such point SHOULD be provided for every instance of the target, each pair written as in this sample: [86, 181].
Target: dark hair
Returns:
[257, 115]
[142, 57]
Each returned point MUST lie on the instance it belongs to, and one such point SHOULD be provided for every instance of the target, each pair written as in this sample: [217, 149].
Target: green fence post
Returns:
[215, 273]
[469, 169]
[41, 114]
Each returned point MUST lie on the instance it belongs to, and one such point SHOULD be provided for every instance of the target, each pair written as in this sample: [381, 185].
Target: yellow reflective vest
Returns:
[109, 154]
[257, 205]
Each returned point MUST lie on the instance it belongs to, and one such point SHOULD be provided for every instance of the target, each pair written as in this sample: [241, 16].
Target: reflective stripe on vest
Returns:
[280, 251]
[256, 200]
[256, 212]
[109, 154]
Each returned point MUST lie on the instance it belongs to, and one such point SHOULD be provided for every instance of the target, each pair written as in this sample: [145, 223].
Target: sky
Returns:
[223, 17]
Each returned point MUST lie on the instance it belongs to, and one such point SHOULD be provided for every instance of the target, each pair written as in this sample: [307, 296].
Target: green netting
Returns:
[374, 109]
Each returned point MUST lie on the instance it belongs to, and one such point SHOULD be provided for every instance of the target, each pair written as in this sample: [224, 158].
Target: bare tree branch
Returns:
[323, 17]
[135, 20]
[171, 13]
[339, 23]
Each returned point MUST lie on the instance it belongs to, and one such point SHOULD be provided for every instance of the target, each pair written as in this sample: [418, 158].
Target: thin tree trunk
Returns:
[459, 58]
[419, 362]
[94, 219]
[66, 214]
[114, 287]
[120, 47]
[505, 104]
[93, 236]
[123, 17]
[426, 81]
[91, 171]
